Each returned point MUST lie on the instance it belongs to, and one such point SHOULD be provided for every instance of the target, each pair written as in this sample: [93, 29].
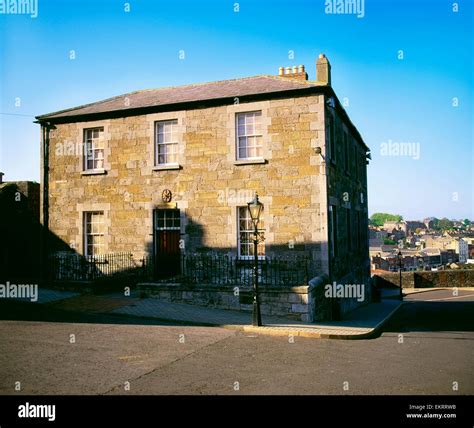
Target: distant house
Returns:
[390, 226]
[471, 251]
[429, 223]
[447, 242]
[431, 257]
[412, 226]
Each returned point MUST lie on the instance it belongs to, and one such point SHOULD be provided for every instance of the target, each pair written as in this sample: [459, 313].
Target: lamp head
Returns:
[255, 208]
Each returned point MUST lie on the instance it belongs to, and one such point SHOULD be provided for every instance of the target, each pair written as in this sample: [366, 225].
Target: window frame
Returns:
[333, 231]
[171, 216]
[356, 161]
[349, 230]
[93, 149]
[250, 232]
[255, 135]
[346, 152]
[331, 137]
[86, 235]
[174, 143]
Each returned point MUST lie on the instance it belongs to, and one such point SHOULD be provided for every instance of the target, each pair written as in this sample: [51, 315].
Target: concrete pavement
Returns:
[111, 358]
[364, 322]
[425, 348]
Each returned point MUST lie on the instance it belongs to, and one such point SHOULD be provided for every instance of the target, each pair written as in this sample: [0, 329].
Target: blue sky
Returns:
[390, 99]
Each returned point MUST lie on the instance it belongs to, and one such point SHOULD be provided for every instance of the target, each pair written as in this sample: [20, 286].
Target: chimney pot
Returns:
[294, 72]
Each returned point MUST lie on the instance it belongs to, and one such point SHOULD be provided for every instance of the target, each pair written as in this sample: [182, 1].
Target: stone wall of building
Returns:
[294, 183]
[347, 194]
[301, 303]
[207, 188]
[291, 303]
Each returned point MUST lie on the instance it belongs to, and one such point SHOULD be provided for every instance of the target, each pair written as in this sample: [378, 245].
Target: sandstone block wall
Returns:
[209, 184]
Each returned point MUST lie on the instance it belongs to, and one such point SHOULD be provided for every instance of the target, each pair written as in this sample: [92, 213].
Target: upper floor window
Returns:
[249, 135]
[349, 230]
[331, 138]
[166, 146]
[346, 152]
[94, 230]
[94, 149]
[356, 161]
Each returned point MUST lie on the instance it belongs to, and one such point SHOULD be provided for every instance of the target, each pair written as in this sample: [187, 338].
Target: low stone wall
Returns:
[422, 279]
[321, 308]
[299, 303]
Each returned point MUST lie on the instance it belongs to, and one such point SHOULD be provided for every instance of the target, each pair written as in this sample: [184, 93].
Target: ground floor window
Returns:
[94, 231]
[349, 229]
[333, 231]
[245, 235]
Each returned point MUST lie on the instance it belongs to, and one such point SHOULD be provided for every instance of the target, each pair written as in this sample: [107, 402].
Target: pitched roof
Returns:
[264, 84]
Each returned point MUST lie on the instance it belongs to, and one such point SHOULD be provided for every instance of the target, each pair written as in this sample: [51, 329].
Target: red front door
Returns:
[167, 235]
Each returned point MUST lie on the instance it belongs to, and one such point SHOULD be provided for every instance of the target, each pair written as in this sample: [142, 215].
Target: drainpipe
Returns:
[45, 129]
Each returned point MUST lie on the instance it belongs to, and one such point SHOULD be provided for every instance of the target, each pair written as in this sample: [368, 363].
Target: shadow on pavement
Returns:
[420, 316]
[25, 311]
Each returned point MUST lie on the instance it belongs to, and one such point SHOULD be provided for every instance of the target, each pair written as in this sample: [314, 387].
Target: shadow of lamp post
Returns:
[255, 208]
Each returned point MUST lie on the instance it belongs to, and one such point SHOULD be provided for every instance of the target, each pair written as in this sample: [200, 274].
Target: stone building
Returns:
[170, 171]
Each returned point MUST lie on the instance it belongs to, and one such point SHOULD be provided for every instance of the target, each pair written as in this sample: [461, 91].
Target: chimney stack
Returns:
[323, 70]
[295, 72]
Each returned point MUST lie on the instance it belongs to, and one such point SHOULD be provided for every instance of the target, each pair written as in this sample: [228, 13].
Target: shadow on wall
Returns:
[22, 235]
[171, 254]
[177, 259]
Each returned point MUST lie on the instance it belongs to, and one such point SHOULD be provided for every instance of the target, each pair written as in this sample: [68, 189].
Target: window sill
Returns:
[166, 167]
[94, 172]
[245, 260]
[249, 161]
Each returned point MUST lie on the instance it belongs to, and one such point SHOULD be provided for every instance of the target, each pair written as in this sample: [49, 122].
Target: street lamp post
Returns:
[255, 209]
[400, 271]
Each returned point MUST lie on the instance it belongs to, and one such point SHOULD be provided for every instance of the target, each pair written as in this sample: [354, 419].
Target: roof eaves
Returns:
[303, 83]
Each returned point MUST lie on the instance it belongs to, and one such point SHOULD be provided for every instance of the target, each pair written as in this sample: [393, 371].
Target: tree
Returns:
[378, 219]
[435, 224]
[445, 224]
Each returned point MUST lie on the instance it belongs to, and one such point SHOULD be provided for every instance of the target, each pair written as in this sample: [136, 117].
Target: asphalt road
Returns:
[426, 348]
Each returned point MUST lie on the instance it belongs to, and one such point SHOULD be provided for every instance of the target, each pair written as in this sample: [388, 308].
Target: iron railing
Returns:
[218, 269]
[75, 267]
[198, 268]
